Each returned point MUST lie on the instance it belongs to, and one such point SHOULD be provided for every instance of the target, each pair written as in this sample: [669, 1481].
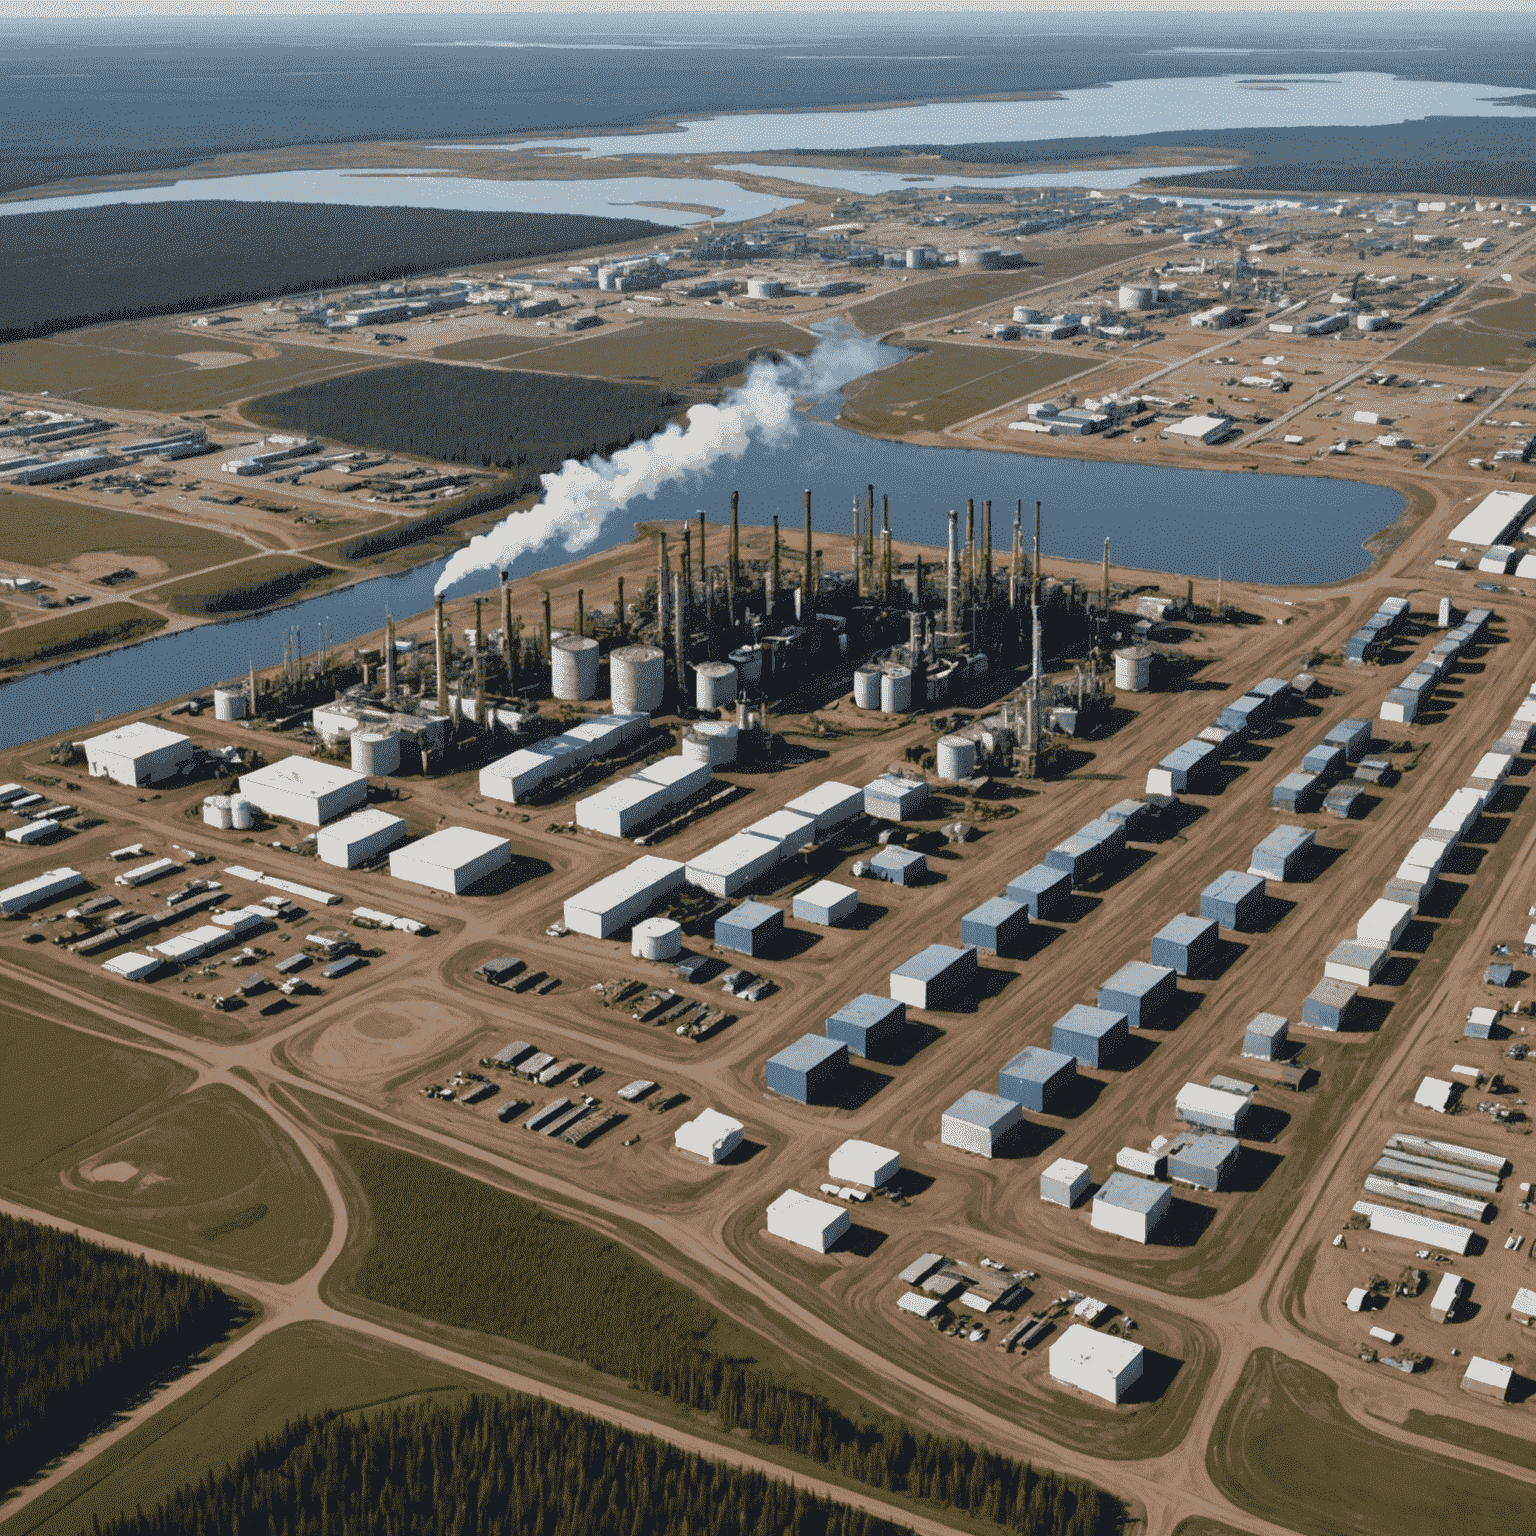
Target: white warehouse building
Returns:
[814, 1224]
[709, 1137]
[359, 838]
[451, 860]
[305, 790]
[862, 1162]
[137, 754]
[1097, 1363]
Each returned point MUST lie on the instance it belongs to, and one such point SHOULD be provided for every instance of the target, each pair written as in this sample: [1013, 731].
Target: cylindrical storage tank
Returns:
[895, 690]
[375, 752]
[229, 703]
[656, 938]
[1137, 296]
[216, 812]
[714, 684]
[748, 661]
[573, 667]
[1026, 314]
[956, 757]
[866, 688]
[638, 674]
[242, 813]
[1133, 669]
[764, 288]
[711, 742]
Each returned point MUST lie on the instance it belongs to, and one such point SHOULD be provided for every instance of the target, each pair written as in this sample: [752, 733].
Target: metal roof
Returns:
[1212, 1152]
[1233, 885]
[866, 1008]
[1285, 840]
[988, 1110]
[931, 963]
[1267, 1026]
[753, 914]
[996, 909]
[1035, 1064]
[1082, 1019]
[809, 1052]
[1184, 929]
[1041, 878]
[1190, 755]
[1129, 1193]
[1138, 977]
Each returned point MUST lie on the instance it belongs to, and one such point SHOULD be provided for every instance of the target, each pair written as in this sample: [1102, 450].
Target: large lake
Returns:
[1267, 528]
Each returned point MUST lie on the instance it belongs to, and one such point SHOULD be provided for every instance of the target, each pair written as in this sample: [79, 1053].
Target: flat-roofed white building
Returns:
[862, 1162]
[814, 1224]
[305, 790]
[1492, 521]
[829, 805]
[358, 838]
[621, 899]
[137, 754]
[1487, 1378]
[709, 1137]
[451, 860]
[1097, 1363]
[37, 892]
[1130, 1207]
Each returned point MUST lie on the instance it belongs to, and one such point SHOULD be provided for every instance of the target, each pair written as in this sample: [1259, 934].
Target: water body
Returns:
[1268, 528]
[873, 183]
[621, 196]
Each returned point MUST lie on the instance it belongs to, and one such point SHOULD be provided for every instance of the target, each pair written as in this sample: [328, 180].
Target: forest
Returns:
[82, 266]
[506, 1273]
[526, 423]
[490, 1464]
[83, 1331]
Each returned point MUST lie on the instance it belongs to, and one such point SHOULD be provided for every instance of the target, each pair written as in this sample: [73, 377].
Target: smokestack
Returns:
[663, 588]
[442, 655]
[1013, 568]
[885, 585]
[549, 634]
[677, 638]
[508, 654]
[968, 570]
[809, 553]
[1106, 576]
[986, 553]
[773, 563]
[917, 580]
[949, 578]
[479, 630]
[733, 562]
[581, 611]
[857, 551]
[703, 563]
[869, 544]
[618, 608]
[685, 568]
[1035, 649]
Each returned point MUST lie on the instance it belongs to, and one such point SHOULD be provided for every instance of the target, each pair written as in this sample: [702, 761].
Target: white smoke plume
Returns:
[578, 497]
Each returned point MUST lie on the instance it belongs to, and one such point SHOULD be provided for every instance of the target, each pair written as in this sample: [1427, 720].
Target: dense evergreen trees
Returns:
[528, 422]
[514, 1269]
[507, 1465]
[82, 266]
[83, 1330]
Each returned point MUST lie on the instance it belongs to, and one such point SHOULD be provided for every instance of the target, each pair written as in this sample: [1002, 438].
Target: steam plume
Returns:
[578, 497]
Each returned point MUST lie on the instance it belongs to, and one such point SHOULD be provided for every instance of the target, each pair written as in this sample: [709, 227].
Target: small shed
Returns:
[1285, 854]
[826, 903]
[996, 926]
[1186, 944]
[1264, 1039]
[1205, 1162]
[754, 928]
[1437, 1094]
[1130, 1207]
[890, 798]
[1094, 1036]
[809, 1070]
[1234, 900]
[1037, 1078]
[1331, 1005]
[862, 1162]
[868, 1025]
[1297, 793]
[1140, 991]
[1357, 962]
[899, 866]
[979, 1122]
[813, 1224]
[1346, 801]
[1042, 890]
[1353, 735]
[1482, 1023]
[1212, 1109]
[1384, 922]
[1487, 1378]
[1065, 1182]
[1326, 760]
[937, 977]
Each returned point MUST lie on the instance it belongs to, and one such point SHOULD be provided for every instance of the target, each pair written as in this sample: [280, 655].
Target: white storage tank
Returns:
[242, 813]
[895, 690]
[1134, 296]
[1026, 314]
[375, 752]
[638, 674]
[710, 742]
[866, 688]
[714, 685]
[764, 288]
[656, 938]
[573, 667]
[748, 661]
[216, 812]
[956, 758]
[1133, 669]
[230, 703]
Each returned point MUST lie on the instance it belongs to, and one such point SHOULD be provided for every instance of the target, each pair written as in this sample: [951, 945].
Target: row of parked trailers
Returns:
[1194, 761]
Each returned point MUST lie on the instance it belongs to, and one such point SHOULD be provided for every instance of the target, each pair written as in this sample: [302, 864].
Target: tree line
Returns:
[83, 266]
[485, 1464]
[518, 1271]
[83, 1331]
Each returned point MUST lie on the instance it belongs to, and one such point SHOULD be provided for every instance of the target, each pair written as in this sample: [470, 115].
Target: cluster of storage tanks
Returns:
[637, 675]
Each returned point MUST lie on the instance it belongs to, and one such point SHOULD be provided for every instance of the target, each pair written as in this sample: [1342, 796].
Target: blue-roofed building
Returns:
[996, 926]
[1183, 768]
[1297, 792]
[937, 977]
[1285, 854]
[808, 1071]
[1234, 900]
[1043, 890]
[979, 1122]
[1094, 1036]
[1185, 944]
[1353, 735]
[868, 1025]
[1140, 991]
[1037, 1078]
[754, 928]
[1244, 715]
[1326, 760]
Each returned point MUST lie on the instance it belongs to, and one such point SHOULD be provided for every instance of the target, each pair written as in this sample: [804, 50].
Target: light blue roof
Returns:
[1128, 1193]
[1138, 977]
[988, 1110]
[1284, 840]
[998, 909]
[866, 1008]
[752, 914]
[1232, 885]
[892, 857]
[1184, 928]
[930, 963]
[1035, 1064]
[1040, 878]
[1093, 1022]
[808, 1052]
[1190, 755]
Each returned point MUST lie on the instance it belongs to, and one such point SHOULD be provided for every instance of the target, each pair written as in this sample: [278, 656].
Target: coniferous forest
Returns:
[486, 1464]
[508, 1272]
[83, 1330]
[82, 266]
[528, 422]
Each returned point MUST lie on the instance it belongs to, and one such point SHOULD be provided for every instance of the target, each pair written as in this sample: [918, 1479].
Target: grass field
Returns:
[245, 587]
[1470, 1437]
[946, 383]
[308, 1368]
[1282, 1447]
[1499, 335]
[1198, 1525]
[60, 1087]
[206, 1176]
[134, 365]
[50, 530]
[677, 354]
[80, 630]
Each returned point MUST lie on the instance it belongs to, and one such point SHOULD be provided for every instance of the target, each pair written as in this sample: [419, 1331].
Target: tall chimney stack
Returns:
[618, 608]
[549, 634]
[773, 567]
[506, 633]
[439, 633]
[809, 553]
[885, 585]
[949, 578]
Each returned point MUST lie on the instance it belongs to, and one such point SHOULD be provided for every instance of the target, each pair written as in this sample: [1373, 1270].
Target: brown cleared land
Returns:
[947, 382]
[950, 295]
[1283, 1443]
[51, 530]
[82, 630]
[245, 587]
[491, 349]
[134, 365]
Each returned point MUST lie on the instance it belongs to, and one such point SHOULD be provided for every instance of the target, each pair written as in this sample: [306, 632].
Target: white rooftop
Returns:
[1489, 1373]
[1091, 1351]
[305, 775]
[454, 847]
[135, 737]
[363, 824]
